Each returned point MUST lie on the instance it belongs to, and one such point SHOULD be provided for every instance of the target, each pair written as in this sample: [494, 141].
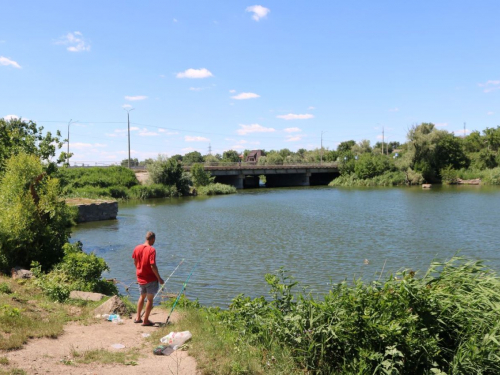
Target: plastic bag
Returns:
[176, 339]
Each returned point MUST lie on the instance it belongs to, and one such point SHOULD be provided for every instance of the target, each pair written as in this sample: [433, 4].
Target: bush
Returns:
[168, 172]
[152, 191]
[76, 271]
[34, 222]
[102, 177]
[369, 165]
[449, 175]
[199, 176]
[395, 178]
[216, 189]
[445, 322]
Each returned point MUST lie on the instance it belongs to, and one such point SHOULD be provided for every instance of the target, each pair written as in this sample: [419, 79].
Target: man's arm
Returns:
[157, 274]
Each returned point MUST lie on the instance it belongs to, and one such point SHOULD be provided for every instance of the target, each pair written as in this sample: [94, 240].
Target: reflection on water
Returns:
[320, 234]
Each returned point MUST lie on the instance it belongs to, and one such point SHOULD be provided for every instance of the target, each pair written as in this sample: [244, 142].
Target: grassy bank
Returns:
[216, 189]
[396, 178]
[487, 176]
[446, 321]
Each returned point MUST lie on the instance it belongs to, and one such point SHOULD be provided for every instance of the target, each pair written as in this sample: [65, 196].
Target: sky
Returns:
[217, 75]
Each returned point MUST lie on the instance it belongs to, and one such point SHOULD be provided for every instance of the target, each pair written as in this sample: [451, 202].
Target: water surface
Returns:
[320, 234]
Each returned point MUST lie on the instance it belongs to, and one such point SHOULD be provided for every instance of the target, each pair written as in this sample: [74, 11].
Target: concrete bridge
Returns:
[244, 175]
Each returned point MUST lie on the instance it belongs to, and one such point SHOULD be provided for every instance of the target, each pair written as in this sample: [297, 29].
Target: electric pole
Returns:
[128, 127]
[321, 152]
[382, 140]
[67, 156]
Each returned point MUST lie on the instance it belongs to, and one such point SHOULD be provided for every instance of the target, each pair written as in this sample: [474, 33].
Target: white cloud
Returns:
[187, 149]
[253, 128]
[292, 116]
[189, 138]
[441, 124]
[174, 20]
[258, 11]
[162, 75]
[126, 106]
[11, 117]
[490, 86]
[166, 132]
[396, 109]
[146, 133]
[237, 147]
[132, 128]
[232, 91]
[311, 107]
[75, 42]
[490, 113]
[290, 138]
[6, 62]
[245, 95]
[135, 98]
[195, 73]
[292, 130]
[198, 88]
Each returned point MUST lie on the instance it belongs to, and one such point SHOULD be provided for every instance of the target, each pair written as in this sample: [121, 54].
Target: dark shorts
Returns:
[149, 288]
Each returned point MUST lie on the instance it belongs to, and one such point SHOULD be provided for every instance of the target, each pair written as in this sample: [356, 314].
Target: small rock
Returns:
[19, 273]
[114, 305]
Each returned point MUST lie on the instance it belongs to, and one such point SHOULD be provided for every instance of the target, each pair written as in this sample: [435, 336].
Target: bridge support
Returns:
[237, 180]
[285, 180]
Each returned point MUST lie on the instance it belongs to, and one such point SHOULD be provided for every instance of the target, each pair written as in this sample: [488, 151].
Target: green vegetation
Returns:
[168, 171]
[446, 321]
[34, 222]
[76, 271]
[216, 189]
[128, 357]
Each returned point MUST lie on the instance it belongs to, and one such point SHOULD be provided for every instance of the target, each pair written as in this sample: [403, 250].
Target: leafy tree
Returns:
[211, 159]
[199, 177]
[485, 159]
[34, 222]
[133, 162]
[346, 163]
[492, 137]
[345, 146]
[285, 152]
[231, 156]
[191, 158]
[371, 165]
[474, 142]
[361, 147]
[449, 151]
[177, 157]
[21, 136]
[274, 158]
[167, 171]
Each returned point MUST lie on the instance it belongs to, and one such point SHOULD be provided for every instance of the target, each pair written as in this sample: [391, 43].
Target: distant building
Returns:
[253, 156]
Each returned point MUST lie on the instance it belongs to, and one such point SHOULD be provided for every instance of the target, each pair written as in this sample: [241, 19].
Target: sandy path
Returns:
[45, 356]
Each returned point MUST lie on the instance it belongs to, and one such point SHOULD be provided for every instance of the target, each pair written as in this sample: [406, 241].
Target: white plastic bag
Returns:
[176, 339]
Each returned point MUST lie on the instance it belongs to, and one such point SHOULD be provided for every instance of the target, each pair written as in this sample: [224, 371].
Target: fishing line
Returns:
[164, 283]
[183, 287]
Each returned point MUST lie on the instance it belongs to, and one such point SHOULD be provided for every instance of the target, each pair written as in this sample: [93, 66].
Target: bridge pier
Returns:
[236, 180]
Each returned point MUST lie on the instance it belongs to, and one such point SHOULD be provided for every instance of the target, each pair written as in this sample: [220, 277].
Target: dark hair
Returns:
[150, 235]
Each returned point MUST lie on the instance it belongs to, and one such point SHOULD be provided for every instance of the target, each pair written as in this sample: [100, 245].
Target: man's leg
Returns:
[149, 307]
[140, 304]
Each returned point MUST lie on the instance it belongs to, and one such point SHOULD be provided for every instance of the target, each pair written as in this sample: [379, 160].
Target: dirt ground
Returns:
[142, 176]
[48, 356]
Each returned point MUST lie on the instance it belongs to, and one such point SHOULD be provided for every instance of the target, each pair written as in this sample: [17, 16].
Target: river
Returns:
[320, 234]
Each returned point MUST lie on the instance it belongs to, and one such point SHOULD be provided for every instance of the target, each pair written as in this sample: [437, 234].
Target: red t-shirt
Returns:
[145, 256]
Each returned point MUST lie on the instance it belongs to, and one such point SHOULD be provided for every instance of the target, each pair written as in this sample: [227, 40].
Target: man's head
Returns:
[150, 238]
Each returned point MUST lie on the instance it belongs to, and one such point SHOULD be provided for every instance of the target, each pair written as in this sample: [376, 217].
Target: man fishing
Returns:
[148, 277]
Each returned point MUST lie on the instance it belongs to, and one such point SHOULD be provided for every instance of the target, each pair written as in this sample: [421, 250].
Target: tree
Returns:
[492, 137]
[133, 162]
[21, 136]
[191, 158]
[345, 146]
[34, 221]
[231, 156]
[168, 172]
[449, 151]
[199, 177]
[273, 158]
[371, 165]
[177, 157]
[474, 142]
[361, 147]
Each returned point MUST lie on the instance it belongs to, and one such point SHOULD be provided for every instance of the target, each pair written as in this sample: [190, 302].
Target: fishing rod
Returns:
[164, 283]
[183, 287]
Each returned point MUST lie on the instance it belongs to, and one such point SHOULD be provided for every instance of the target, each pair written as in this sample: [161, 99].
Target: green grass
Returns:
[387, 179]
[216, 189]
[126, 357]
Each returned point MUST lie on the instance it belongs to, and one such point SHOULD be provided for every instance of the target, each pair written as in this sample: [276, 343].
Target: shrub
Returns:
[449, 175]
[34, 222]
[167, 171]
[369, 165]
[152, 191]
[199, 176]
[444, 322]
[102, 177]
[77, 271]
[216, 189]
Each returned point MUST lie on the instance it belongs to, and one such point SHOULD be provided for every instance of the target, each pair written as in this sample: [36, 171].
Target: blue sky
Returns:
[243, 74]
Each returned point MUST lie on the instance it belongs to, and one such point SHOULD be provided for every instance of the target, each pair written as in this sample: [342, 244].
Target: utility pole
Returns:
[128, 126]
[67, 156]
[382, 140]
[321, 152]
